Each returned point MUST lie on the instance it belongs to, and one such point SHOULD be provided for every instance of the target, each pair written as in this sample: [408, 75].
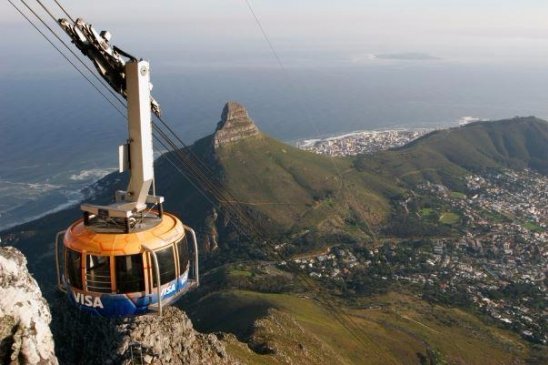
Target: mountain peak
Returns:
[235, 125]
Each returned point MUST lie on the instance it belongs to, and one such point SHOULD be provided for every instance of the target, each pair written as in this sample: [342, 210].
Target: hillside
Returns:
[446, 155]
[314, 200]
[393, 329]
[288, 192]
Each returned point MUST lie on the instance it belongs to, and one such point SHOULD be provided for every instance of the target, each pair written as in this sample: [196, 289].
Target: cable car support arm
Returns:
[129, 77]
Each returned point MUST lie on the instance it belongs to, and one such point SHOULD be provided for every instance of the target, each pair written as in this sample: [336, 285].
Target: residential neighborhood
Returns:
[494, 261]
[362, 142]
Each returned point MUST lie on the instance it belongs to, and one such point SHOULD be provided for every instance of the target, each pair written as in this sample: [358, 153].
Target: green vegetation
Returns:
[519, 290]
[449, 218]
[445, 156]
[533, 227]
[420, 218]
[240, 273]
[457, 195]
[496, 216]
[313, 200]
[301, 190]
[392, 328]
[426, 212]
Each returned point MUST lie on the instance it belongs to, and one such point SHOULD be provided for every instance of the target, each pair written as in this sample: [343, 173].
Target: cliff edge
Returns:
[25, 335]
[146, 340]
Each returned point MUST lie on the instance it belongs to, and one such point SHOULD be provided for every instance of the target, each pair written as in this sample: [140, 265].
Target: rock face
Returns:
[234, 126]
[25, 334]
[148, 339]
[169, 339]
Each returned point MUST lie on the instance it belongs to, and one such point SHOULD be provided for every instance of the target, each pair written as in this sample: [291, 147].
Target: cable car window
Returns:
[98, 274]
[74, 268]
[129, 274]
[166, 264]
[182, 247]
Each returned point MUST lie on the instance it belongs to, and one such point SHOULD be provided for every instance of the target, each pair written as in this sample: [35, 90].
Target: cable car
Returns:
[113, 273]
[129, 257]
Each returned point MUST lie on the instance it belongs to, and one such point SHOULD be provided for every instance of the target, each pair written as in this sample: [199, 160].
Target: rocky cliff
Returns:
[144, 340]
[25, 334]
[234, 126]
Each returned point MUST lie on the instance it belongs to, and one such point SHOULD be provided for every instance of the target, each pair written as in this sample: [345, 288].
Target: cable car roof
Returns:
[103, 243]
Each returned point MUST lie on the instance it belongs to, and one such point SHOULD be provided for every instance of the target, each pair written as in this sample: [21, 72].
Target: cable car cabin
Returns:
[109, 272]
[123, 258]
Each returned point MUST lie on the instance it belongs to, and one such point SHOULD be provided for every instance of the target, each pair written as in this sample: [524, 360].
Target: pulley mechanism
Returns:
[109, 60]
[130, 78]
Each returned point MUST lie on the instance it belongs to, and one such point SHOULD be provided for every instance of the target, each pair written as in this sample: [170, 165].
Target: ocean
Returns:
[57, 134]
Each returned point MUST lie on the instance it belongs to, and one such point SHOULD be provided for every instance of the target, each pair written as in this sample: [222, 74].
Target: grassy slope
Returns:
[444, 155]
[299, 190]
[397, 329]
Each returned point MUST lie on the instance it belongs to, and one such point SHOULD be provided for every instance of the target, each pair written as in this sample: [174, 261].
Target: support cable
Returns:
[66, 58]
[90, 81]
[94, 74]
[118, 98]
[189, 164]
[64, 11]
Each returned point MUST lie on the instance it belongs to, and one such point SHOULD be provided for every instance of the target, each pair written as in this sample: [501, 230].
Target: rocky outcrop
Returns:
[169, 339]
[146, 340]
[25, 334]
[234, 126]
[211, 236]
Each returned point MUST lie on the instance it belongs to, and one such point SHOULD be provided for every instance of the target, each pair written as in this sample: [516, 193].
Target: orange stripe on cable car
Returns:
[80, 238]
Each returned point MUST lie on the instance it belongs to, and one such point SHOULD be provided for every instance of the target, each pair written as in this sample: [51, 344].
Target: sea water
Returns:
[58, 135]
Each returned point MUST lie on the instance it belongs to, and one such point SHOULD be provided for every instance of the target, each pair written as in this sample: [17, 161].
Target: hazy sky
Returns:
[305, 32]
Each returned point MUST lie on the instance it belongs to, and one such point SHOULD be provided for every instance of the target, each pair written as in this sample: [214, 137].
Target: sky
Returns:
[305, 33]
